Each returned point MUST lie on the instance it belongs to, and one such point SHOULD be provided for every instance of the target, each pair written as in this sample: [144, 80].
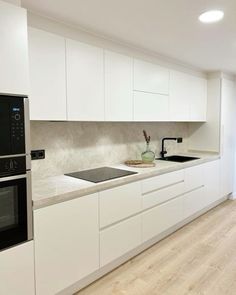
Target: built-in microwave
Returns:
[15, 173]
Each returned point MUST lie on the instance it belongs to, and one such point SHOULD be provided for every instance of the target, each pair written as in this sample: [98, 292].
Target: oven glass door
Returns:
[13, 212]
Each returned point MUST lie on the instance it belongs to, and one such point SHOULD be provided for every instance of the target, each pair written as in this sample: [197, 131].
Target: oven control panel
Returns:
[17, 128]
[12, 166]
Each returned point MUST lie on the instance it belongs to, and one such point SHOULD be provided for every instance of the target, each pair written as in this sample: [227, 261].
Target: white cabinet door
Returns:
[14, 76]
[17, 270]
[179, 96]
[188, 97]
[212, 181]
[120, 202]
[47, 76]
[66, 243]
[150, 77]
[119, 239]
[194, 177]
[194, 201]
[198, 101]
[85, 82]
[162, 217]
[228, 106]
[118, 87]
[150, 107]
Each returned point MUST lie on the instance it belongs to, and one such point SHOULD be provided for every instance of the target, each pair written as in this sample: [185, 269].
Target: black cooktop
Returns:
[101, 174]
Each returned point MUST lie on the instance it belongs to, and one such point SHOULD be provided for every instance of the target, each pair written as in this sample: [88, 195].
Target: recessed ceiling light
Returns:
[211, 16]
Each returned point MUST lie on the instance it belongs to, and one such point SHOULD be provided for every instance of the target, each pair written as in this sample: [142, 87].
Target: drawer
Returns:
[195, 201]
[162, 217]
[161, 181]
[119, 203]
[163, 195]
[194, 177]
[119, 239]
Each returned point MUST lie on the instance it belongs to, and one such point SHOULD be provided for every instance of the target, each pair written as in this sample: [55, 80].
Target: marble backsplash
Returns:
[73, 146]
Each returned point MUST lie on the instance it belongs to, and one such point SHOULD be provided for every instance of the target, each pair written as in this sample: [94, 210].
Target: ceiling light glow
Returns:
[211, 16]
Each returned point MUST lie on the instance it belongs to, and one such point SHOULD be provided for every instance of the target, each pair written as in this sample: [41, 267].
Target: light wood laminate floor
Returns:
[200, 258]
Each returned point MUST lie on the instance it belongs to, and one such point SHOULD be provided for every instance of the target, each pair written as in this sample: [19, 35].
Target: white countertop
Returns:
[61, 188]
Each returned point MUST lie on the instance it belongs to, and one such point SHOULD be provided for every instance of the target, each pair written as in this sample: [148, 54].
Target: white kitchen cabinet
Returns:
[149, 77]
[120, 202]
[162, 217]
[198, 99]
[194, 201]
[14, 76]
[212, 181]
[118, 87]
[17, 270]
[85, 82]
[228, 107]
[47, 76]
[66, 243]
[150, 107]
[194, 177]
[119, 239]
[188, 97]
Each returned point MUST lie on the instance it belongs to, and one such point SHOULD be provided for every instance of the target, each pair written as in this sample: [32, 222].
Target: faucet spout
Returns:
[163, 150]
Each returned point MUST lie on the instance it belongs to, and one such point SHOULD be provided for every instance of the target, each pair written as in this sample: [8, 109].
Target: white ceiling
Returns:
[167, 27]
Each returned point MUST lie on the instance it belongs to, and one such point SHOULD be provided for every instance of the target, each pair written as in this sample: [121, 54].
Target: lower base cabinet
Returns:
[119, 239]
[162, 217]
[66, 243]
[17, 270]
[194, 201]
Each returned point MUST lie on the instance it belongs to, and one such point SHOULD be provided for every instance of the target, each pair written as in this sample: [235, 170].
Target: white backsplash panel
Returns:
[74, 146]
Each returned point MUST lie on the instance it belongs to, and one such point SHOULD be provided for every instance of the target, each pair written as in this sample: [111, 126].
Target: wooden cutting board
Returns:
[139, 164]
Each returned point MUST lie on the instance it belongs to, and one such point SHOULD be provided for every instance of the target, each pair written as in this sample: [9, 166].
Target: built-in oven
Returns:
[15, 173]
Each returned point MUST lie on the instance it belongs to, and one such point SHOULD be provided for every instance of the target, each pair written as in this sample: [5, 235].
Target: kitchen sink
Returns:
[177, 158]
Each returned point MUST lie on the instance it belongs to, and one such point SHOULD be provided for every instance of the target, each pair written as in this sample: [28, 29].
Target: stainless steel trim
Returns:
[13, 156]
[14, 177]
[29, 206]
[27, 133]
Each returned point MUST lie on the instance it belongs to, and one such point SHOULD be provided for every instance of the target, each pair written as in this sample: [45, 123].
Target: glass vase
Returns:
[148, 156]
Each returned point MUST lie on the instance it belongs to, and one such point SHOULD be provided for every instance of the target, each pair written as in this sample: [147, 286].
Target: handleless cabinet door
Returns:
[149, 77]
[14, 76]
[17, 270]
[85, 82]
[180, 96]
[66, 243]
[118, 87]
[47, 76]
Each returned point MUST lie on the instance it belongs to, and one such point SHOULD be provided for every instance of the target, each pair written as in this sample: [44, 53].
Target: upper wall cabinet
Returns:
[47, 76]
[118, 87]
[150, 77]
[188, 97]
[85, 82]
[13, 50]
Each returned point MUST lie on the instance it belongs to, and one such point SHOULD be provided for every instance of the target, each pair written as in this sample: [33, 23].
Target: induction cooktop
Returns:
[100, 174]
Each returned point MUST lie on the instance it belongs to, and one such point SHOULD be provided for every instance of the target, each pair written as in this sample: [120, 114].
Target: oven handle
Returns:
[13, 177]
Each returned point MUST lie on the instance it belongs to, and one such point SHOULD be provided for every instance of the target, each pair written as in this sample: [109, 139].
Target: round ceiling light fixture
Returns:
[211, 16]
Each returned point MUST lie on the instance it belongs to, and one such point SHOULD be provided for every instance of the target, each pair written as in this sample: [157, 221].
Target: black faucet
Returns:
[163, 150]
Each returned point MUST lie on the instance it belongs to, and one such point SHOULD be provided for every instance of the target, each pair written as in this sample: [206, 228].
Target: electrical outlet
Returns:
[37, 154]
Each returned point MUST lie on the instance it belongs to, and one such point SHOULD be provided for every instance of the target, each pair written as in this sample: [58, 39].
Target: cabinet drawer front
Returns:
[119, 239]
[150, 77]
[150, 107]
[163, 195]
[157, 182]
[194, 201]
[162, 217]
[119, 203]
[194, 177]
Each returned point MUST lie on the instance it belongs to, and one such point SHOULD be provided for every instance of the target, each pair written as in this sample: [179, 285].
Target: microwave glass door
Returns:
[13, 212]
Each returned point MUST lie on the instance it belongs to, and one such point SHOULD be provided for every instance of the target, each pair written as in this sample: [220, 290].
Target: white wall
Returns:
[15, 2]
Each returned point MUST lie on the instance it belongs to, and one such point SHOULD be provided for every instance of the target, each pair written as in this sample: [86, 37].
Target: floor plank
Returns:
[198, 259]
